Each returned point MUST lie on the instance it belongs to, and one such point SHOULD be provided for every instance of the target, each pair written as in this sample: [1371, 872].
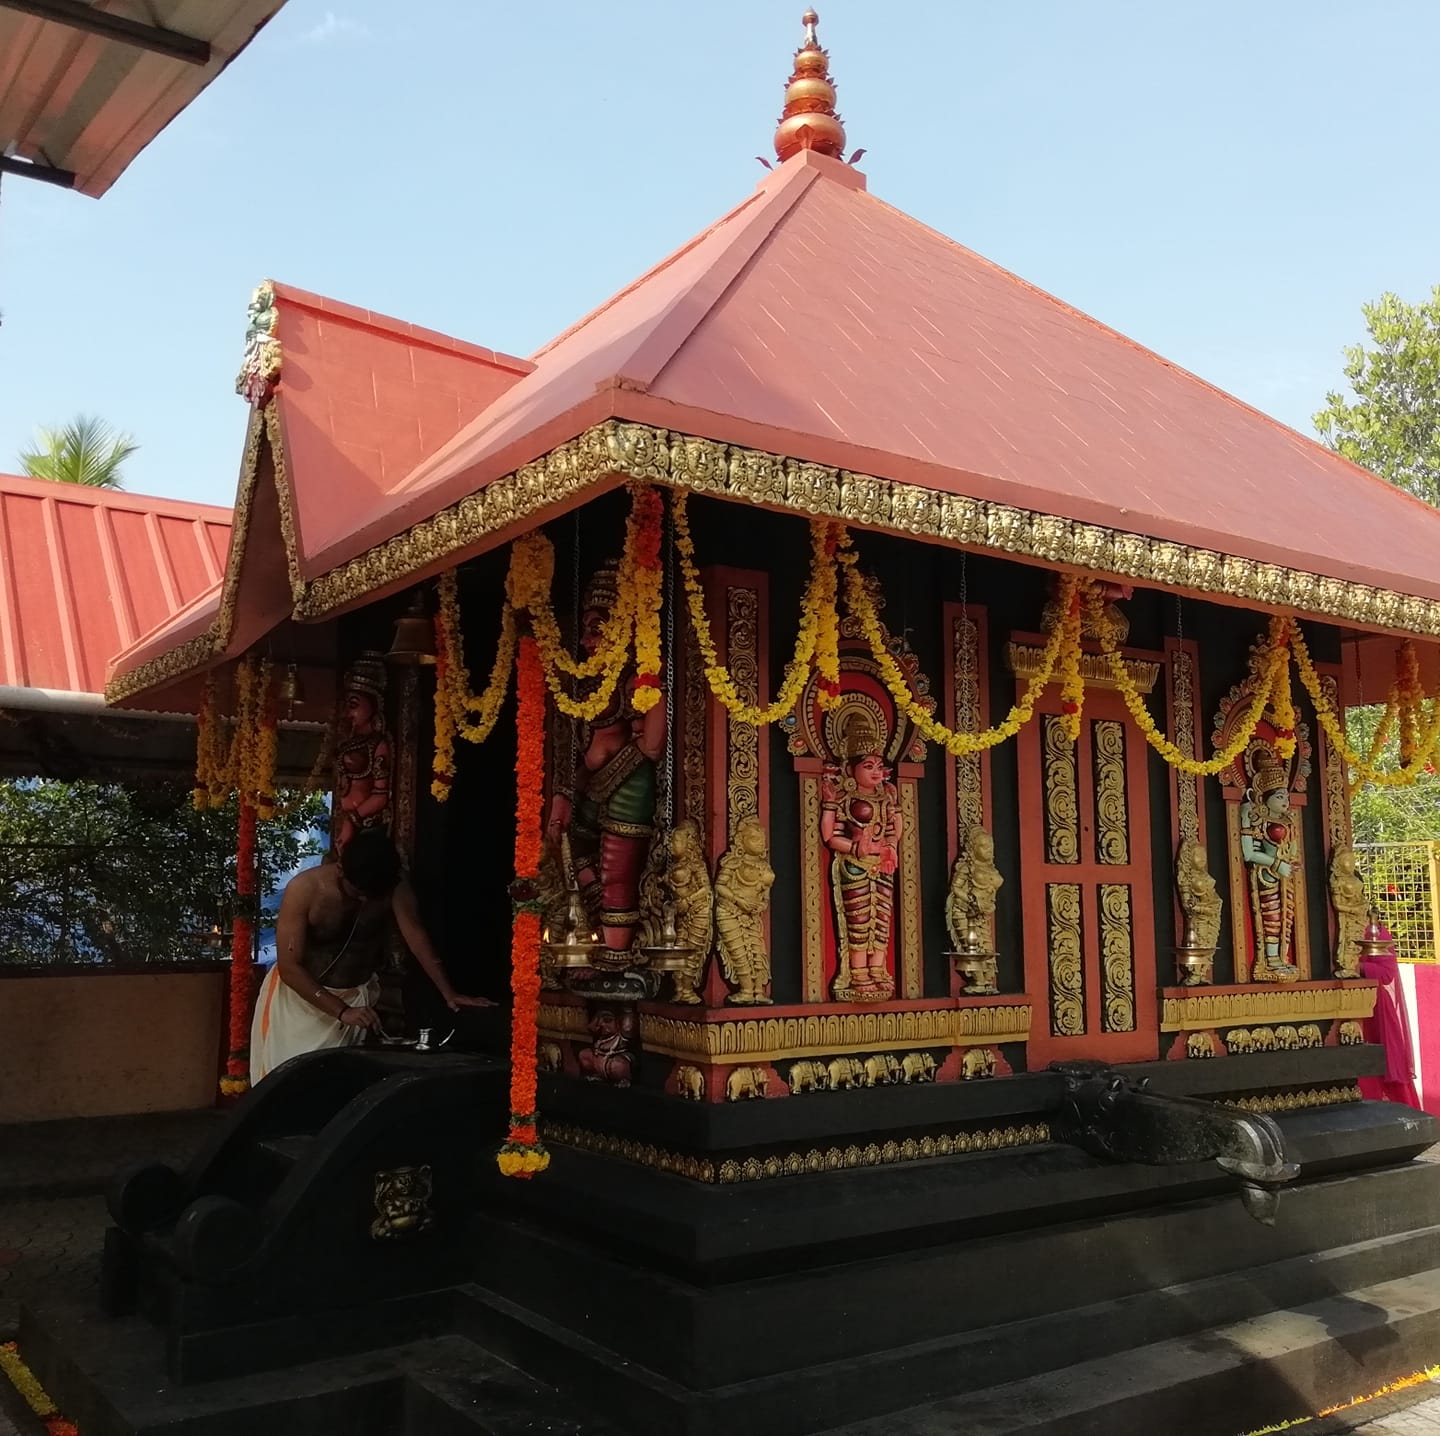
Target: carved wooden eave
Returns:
[616, 450]
[703, 466]
[1025, 661]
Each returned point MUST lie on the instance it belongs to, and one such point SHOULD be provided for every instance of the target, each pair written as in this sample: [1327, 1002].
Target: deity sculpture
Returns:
[974, 886]
[362, 753]
[1347, 897]
[610, 1057]
[1199, 901]
[1269, 850]
[694, 906]
[860, 823]
[742, 893]
[610, 814]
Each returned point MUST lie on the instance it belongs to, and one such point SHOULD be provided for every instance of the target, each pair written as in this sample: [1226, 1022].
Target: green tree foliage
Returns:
[1390, 423]
[102, 872]
[84, 451]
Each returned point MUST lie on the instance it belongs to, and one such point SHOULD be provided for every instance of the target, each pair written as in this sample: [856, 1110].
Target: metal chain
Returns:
[1179, 619]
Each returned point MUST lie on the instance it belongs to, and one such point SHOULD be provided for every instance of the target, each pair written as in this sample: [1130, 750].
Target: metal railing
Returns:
[1403, 881]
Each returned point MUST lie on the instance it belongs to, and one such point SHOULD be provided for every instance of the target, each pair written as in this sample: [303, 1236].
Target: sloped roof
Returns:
[82, 98]
[818, 322]
[85, 572]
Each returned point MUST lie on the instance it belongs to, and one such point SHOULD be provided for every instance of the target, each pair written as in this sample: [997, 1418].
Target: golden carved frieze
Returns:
[284, 495]
[1337, 799]
[912, 968]
[616, 450]
[1285, 1004]
[1267, 1102]
[561, 1019]
[812, 1162]
[769, 1039]
[742, 740]
[1025, 661]
[965, 664]
[1067, 970]
[812, 890]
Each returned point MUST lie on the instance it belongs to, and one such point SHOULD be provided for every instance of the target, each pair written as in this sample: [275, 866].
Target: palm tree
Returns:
[84, 451]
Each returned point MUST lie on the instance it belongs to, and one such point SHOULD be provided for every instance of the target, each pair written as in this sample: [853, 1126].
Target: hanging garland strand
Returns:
[817, 643]
[1265, 667]
[1064, 633]
[1425, 741]
[523, 1154]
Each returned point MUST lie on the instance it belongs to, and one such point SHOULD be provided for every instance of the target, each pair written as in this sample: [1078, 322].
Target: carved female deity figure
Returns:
[1347, 897]
[1268, 847]
[610, 814]
[362, 753]
[974, 886]
[742, 893]
[860, 823]
[1199, 900]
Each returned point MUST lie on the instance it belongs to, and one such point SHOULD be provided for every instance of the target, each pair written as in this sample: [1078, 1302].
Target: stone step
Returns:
[1269, 1369]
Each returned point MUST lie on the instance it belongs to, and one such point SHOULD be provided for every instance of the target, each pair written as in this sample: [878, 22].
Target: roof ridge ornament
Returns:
[809, 121]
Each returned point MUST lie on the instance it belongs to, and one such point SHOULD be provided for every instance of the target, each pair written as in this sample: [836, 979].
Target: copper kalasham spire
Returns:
[809, 121]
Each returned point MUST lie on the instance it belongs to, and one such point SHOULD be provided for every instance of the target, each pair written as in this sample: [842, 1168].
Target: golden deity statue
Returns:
[974, 886]
[742, 893]
[1199, 900]
[1347, 897]
[860, 823]
[362, 752]
[694, 906]
[1270, 851]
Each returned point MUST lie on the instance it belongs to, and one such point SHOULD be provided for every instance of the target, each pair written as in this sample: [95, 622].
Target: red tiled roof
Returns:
[86, 572]
[816, 321]
[363, 398]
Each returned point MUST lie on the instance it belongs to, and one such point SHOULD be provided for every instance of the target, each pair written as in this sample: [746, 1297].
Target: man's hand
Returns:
[456, 1000]
[361, 1017]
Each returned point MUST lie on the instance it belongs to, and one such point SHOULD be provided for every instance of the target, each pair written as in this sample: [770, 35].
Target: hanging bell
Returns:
[414, 641]
[292, 690]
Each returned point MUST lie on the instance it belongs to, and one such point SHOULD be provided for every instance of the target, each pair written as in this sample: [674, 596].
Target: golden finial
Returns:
[809, 121]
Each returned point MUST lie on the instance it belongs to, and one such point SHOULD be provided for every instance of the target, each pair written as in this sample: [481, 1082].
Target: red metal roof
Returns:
[817, 321]
[86, 572]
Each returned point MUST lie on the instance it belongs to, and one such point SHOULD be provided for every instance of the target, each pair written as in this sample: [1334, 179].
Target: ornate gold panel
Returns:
[812, 889]
[742, 740]
[969, 789]
[1337, 797]
[1112, 814]
[1062, 795]
[768, 1039]
[1117, 959]
[1067, 967]
[1282, 1004]
[692, 729]
[1025, 662]
[912, 948]
[1187, 788]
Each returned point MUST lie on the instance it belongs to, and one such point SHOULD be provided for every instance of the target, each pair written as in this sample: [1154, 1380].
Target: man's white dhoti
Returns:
[285, 1025]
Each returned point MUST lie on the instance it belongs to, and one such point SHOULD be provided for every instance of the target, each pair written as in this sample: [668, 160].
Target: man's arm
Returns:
[290, 928]
[407, 919]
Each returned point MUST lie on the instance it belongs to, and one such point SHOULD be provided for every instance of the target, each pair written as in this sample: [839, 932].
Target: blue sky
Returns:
[1226, 183]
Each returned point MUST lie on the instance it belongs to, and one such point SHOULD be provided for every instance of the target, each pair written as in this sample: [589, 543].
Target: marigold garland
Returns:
[1065, 630]
[523, 1154]
[648, 517]
[19, 1375]
[454, 702]
[1424, 742]
[817, 643]
[1265, 668]
[1072, 679]
[236, 1079]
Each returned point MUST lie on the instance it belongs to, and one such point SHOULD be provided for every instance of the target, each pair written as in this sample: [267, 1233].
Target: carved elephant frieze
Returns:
[882, 1069]
[690, 1083]
[917, 1067]
[977, 1062]
[847, 1072]
[744, 1083]
[808, 1076]
[1239, 1039]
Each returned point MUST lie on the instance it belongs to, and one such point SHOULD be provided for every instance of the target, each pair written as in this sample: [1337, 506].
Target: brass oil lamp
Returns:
[569, 936]
[975, 962]
[1194, 962]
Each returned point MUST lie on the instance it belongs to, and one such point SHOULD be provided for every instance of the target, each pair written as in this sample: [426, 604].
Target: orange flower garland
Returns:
[523, 1154]
[25, 1383]
[1072, 680]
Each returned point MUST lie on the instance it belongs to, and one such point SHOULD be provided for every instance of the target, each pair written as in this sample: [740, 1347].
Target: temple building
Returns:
[910, 806]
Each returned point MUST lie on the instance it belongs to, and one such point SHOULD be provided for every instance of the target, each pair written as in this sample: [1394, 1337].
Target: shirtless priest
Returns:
[331, 938]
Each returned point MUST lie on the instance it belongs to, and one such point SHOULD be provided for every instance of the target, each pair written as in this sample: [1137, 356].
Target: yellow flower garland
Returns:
[1065, 630]
[246, 763]
[819, 627]
[1425, 744]
[1265, 665]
